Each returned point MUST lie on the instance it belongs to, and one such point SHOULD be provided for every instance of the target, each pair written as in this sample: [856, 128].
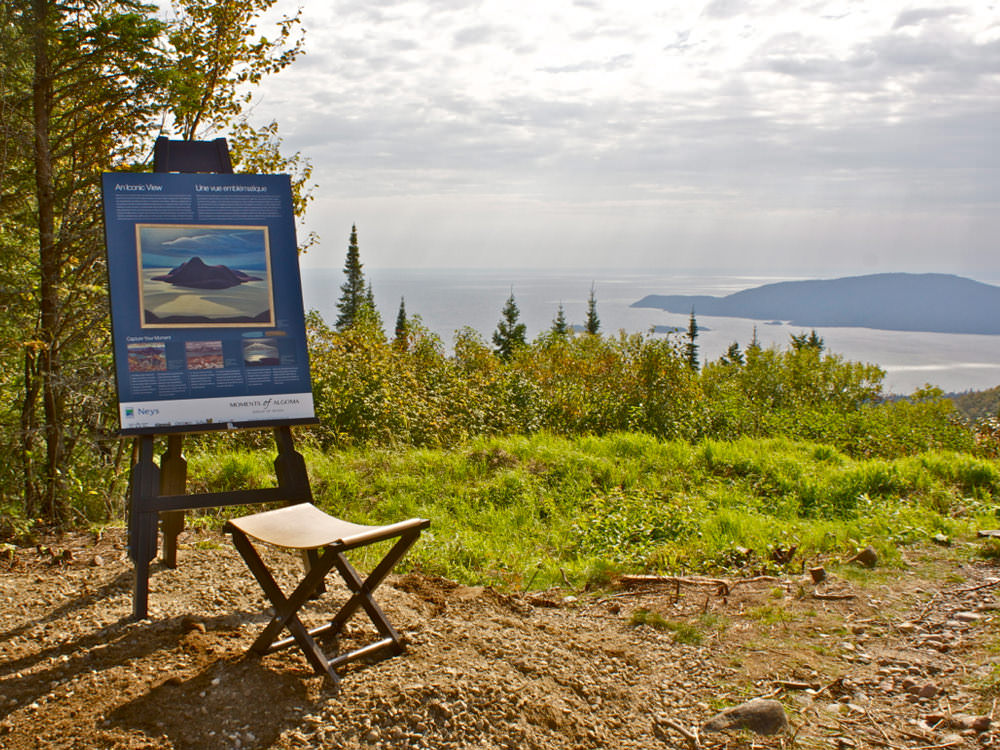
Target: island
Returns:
[929, 302]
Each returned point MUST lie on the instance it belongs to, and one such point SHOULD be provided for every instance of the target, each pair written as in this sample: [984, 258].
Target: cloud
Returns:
[476, 35]
[724, 9]
[651, 115]
[615, 63]
[917, 16]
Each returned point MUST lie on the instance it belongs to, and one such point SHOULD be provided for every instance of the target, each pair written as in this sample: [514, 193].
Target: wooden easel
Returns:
[158, 492]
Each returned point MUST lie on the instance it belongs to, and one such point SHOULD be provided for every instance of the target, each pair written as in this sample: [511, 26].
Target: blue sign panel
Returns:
[206, 301]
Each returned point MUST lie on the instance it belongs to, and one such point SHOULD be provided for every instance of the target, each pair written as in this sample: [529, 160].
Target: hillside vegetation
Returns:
[581, 455]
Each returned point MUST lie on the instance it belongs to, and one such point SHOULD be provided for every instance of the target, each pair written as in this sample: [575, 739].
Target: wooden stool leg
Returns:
[363, 597]
[362, 590]
[286, 608]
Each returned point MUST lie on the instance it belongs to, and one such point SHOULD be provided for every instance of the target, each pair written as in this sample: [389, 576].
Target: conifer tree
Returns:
[401, 339]
[733, 355]
[510, 333]
[812, 341]
[691, 348]
[593, 323]
[559, 325]
[353, 292]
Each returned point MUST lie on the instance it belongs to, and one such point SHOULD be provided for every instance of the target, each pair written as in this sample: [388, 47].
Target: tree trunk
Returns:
[48, 355]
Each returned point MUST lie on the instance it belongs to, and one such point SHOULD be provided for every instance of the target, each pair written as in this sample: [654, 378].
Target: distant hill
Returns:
[931, 302]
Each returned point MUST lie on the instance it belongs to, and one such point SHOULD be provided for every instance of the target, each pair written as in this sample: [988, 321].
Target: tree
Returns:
[354, 291]
[510, 334]
[733, 355]
[401, 333]
[691, 347]
[80, 96]
[593, 323]
[85, 85]
[218, 59]
[812, 341]
[559, 325]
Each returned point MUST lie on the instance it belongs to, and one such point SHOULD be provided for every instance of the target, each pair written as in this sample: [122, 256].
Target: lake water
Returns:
[447, 300]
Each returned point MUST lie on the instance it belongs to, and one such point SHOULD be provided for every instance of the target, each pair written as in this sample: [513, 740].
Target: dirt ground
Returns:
[889, 659]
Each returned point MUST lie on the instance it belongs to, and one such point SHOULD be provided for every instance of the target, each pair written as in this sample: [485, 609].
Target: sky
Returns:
[785, 137]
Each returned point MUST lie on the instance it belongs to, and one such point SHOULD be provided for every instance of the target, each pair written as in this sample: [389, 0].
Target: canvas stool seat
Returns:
[325, 538]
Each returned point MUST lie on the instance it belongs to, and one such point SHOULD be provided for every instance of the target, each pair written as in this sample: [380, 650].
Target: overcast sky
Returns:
[788, 137]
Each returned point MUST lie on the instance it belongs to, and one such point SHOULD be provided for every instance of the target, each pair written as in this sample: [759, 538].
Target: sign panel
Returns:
[206, 301]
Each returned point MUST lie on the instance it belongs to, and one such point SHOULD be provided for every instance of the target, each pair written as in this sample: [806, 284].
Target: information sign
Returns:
[206, 302]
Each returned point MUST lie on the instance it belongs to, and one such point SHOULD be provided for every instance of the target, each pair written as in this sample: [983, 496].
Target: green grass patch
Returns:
[537, 511]
[683, 632]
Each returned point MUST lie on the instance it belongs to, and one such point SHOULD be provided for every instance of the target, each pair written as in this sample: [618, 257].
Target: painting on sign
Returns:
[204, 276]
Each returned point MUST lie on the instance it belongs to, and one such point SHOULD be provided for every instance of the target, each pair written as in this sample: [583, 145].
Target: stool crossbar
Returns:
[325, 539]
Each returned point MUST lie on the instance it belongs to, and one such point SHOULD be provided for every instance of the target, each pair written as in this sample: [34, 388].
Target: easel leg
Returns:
[173, 481]
[290, 468]
[142, 530]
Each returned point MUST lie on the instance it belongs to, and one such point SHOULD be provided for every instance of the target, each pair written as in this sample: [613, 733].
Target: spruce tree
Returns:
[401, 339]
[353, 291]
[510, 333]
[733, 355]
[691, 348]
[559, 325]
[593, 323]
[812, 341]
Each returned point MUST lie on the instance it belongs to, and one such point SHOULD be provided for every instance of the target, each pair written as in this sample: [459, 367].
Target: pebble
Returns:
[968, 616]
[928, 691]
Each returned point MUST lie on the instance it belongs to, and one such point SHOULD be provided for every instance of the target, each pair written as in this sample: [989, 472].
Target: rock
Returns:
[928, 691]
[961, 722]
[818, 574]
[867, 557]
[189, 623]
[967, 616]
[981, 723]
[759, 715]
[941, 539]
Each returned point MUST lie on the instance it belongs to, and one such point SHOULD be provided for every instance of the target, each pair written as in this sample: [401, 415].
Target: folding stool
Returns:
[325, 539]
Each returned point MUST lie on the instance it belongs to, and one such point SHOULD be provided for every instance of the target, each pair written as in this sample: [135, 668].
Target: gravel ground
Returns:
[904, 659]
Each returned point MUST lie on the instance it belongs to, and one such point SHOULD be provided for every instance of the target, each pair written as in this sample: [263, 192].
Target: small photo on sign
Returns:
[260, 353]
[204, 355]
[147, 357]
[204, 276]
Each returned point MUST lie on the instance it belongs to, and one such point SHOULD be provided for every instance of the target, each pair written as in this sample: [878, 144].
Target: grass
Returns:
[683, 632]
[538, 510]
[770, 614]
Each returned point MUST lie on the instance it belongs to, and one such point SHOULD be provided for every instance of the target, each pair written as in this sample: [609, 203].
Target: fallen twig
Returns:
[691, 735]
[724, 586]
[989, 584]
[833, 597]
[877, 726]
[795, 685]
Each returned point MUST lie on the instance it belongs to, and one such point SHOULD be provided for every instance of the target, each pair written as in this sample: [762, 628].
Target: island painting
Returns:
[204, 276]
